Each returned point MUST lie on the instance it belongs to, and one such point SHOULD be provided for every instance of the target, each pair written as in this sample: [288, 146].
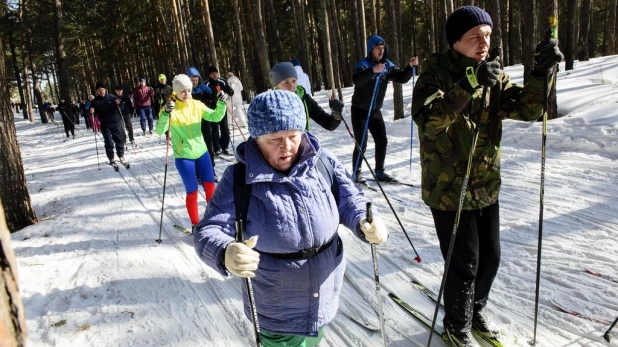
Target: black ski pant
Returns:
[378, 132]
[113, 134]
[86, 120]
[207, 135]
[474, 262]
[222, 140]
[128, 125]
[69, 126]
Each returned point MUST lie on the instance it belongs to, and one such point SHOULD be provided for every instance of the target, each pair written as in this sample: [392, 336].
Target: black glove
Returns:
[336, 105]
[485, 75]
[488, 73]
[546, 55]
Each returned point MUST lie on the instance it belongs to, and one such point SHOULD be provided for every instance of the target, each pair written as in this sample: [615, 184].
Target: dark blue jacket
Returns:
[365, 79]
[202, 91]
[106, 110]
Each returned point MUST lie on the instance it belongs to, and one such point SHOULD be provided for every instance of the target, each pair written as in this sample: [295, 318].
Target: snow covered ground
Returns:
[91, 273]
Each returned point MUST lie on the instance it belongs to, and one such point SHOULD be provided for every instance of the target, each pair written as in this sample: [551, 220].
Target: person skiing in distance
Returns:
[220, 140]
[303, 78]
[236, 99]
[374, 68]
[105, 106]
[284, 77]
[126, 109]
[142, 99]
[201, 93]
[446, 108]
[68, 117]
[162, 94]
[183, 117]
[292, 245]
[84, 109]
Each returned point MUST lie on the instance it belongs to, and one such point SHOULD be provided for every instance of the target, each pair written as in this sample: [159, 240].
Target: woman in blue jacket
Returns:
[292, 250]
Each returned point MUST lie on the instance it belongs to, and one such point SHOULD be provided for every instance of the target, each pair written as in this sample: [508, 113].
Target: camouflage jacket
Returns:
[446, 115]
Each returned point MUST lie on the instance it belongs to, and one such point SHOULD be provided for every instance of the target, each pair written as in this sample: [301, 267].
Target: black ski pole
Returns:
[376, 276]
[167, 150]
[546, 91]
[464, 186]
[418, 257]
[240, 228]
[96, 144]
[124, 129]
[606, 335]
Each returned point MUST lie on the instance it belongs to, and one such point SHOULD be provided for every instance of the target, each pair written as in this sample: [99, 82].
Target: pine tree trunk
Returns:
[393, 51]
[63, 77]
[328, 63]
[13, 189]
[572, 34]
[243, 74]
[610, 27]
[504, 11]
[373, 14]
[13, 330]
[583, 53]
[548, 19]
[363, 29]
[20, 85]
[514, 46]
[209, 34]
[263, 79]
[301, 24]
[528, 28]
[493, 8]
[275, 41]
[431, 26]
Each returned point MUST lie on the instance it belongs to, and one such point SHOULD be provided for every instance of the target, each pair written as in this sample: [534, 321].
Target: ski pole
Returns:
[546, 91]
[464, 187]
[235, 122]
[412, 120]
[417, 258]
[606, 335]
[240, 228]
[376, 276]
[124, 129]
[167, 149]
[373, 98]
[96, 144]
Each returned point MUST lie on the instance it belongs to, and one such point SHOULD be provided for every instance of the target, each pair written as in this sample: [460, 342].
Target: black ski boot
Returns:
[480, 326]
[384, 177]
[458, 339]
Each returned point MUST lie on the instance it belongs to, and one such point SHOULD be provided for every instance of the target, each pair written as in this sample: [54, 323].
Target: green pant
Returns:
[274, 340]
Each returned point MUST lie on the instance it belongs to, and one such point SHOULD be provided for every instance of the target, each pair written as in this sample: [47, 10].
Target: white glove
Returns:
[375, 232]
[222, 96]
[170, 106]
[240, 259]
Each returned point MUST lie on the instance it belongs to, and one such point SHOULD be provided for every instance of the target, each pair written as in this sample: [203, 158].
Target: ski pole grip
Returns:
[369, 213]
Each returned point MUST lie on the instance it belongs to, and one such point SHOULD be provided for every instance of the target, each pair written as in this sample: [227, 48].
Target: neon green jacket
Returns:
[186, 124]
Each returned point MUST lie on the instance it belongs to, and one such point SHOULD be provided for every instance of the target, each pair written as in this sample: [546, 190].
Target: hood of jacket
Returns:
[201, 87]
[373, 41]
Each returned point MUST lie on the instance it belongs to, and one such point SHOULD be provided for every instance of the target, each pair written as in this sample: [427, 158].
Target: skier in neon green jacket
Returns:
[183, 117]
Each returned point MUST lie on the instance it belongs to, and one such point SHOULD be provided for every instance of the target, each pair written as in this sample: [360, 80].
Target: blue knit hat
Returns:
[275, 110]
[464, 19]
[281, 71]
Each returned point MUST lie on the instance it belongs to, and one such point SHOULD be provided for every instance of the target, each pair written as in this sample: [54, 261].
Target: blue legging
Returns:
[186, 169]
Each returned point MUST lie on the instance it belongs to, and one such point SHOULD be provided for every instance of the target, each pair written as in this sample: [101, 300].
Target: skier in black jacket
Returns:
[162, 95]
[216, 84]
[105, 108]
[68, 117]
[126, 109]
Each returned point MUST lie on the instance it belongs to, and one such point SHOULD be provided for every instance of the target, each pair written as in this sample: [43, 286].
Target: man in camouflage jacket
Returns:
[447, 109]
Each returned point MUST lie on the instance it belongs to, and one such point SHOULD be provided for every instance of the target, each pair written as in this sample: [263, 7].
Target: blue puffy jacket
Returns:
[289, 213]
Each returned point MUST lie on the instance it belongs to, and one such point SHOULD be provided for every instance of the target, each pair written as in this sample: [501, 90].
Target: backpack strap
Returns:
[327, 170]
[242, 193]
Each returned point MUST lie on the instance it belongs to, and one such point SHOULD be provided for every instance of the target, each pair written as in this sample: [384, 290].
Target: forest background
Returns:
[59, 49]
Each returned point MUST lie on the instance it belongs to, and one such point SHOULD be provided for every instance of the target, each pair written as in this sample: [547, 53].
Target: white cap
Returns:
[181, 82]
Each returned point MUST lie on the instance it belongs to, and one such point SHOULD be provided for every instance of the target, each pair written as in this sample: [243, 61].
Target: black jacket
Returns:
[106, 110]
[162, 94]
[216, 86]
[126, 105]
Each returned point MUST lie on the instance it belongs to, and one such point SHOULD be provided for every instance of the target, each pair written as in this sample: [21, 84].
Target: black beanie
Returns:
[464, 19]
[99, 85]
[212, 69]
